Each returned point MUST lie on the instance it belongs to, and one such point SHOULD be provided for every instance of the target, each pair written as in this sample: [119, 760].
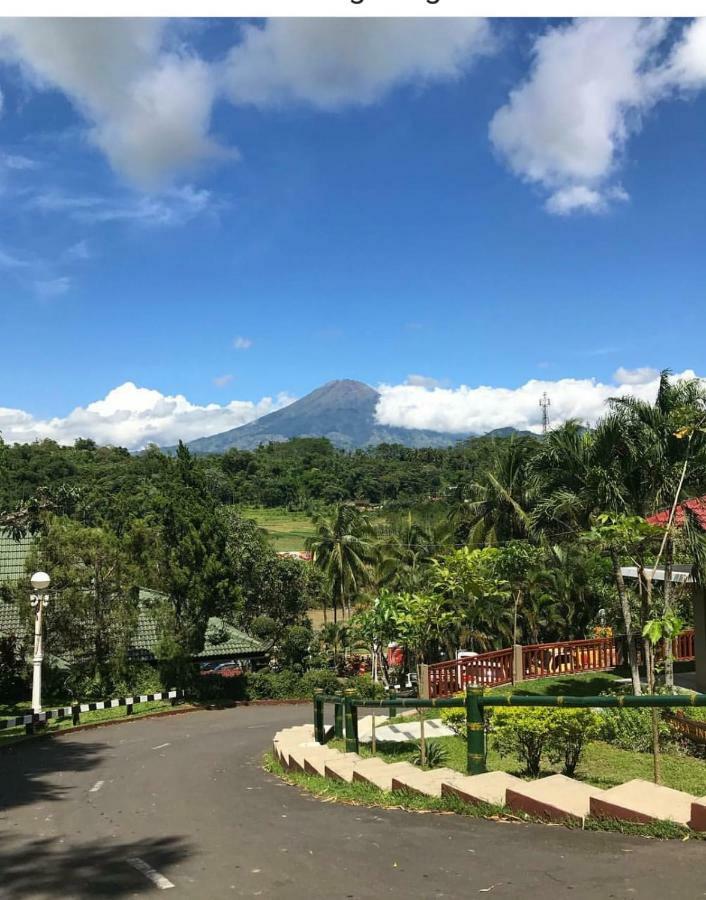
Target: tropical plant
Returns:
[343, 548]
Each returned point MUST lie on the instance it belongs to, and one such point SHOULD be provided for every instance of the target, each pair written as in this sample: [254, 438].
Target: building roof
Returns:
[680, 574]
[696, 506]
[222, 639]
[13, 556]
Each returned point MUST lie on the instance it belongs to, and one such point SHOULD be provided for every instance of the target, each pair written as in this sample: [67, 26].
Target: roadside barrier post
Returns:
[318, 716]
[338, 716]
[76, 714]
[128, 709]
[392, 712]
[475, 731]
[351, 716]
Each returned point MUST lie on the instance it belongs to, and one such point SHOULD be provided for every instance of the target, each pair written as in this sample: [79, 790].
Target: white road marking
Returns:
[96, 787]
[157, 880]
[162, 746]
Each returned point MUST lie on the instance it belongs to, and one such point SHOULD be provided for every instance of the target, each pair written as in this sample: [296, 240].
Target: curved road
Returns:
[183, 801]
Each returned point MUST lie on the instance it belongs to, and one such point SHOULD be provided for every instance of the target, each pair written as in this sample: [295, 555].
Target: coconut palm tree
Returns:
[406, 545]
[343, 548]
[499, 502]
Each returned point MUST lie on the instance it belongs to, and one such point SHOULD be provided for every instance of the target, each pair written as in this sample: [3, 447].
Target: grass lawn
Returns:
[602, 764]
[13, 735]
[588, 685]
[287, 530]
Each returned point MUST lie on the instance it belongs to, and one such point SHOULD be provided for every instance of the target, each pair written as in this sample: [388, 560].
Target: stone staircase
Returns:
[554, 799]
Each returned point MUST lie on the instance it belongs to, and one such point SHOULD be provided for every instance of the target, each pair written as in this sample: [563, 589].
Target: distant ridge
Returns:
[342, 411]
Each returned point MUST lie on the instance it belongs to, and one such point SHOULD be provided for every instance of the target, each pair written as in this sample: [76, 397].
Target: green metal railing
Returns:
[475, 701]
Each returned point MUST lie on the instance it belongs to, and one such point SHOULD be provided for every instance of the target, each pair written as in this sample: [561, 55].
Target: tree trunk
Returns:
[627, 620]
[668, 654]
[644, 582]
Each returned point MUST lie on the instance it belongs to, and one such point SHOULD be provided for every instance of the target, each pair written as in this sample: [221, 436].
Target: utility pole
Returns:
[544, 404]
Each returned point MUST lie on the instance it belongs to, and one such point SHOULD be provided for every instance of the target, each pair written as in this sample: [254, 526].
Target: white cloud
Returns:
[331, 63]
[77, 252]
[687, 66]
[132, 416]
[579, 197]
[11, 261]
[565, 127]
[642, 375]
[16, 162]
[171, 207]
[483, 408]
[149, 106]
[222, 380]
[52, 287]
[242, 343]
[591, 84]
[423, 381]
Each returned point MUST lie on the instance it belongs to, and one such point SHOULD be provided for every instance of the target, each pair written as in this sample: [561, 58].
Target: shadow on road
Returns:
[53, 868]
[34, 770]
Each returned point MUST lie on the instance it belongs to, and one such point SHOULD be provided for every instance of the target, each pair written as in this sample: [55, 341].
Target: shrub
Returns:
[455, 718]
[365, 687]
[523, 732]
[140, 678]
[214, 688]
[631, 729]
[570, 731]
[325, 679]
[436, 755]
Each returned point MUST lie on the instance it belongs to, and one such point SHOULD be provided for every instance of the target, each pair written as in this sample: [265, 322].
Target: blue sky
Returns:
[476, 203]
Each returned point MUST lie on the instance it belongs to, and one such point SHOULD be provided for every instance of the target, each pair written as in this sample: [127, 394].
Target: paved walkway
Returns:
[118, 811]
[402, 731]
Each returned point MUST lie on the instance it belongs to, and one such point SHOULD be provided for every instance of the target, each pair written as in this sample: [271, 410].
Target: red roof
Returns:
[697, 506]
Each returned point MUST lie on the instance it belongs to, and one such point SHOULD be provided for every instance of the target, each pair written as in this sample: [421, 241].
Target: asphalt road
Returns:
[183, 801]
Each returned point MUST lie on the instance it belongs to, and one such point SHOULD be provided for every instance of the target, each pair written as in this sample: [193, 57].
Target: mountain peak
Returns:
[342, 411]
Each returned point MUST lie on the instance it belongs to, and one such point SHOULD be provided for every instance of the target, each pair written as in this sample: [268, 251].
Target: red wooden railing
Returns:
[568, 657]
[538, 661]
[484, 670]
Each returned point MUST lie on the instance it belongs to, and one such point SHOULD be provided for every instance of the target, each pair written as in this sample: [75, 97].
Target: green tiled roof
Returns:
[13, 555]
[234, 643]
[12, 568]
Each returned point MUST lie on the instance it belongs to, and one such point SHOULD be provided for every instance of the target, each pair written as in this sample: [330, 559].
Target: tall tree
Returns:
[498, 504]
[343, 548]
[94, 582]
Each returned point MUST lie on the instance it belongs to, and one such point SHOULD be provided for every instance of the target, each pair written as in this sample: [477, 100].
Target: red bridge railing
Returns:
[537, 661]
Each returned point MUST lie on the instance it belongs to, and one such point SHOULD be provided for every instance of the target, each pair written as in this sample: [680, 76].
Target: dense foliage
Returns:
[488, 543]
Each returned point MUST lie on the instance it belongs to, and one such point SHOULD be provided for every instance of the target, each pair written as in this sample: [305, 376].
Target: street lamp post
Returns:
[40, 582]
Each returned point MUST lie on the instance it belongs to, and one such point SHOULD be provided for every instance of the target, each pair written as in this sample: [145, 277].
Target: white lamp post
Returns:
[40, 582]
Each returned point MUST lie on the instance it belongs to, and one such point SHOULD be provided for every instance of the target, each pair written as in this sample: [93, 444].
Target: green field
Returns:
[287, 530]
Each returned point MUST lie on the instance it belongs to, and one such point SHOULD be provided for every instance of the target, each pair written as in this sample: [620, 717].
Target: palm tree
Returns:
[498, 508]
[575, 474]
[667, 456]
[343, 548]
[405, 546]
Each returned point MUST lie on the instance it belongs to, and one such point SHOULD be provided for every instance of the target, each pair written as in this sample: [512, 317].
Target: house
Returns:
[223, 642]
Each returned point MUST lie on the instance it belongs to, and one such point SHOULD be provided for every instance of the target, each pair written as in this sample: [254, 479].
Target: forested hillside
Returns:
[296, 473]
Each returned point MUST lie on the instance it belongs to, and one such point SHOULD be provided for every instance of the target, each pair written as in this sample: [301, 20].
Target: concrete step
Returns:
[697, 820]
[379, 773]
[299, 756]
[644, 802]
[556, 798]
[427, 782]
[341, 769]
[316, 765]
[490, 787]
